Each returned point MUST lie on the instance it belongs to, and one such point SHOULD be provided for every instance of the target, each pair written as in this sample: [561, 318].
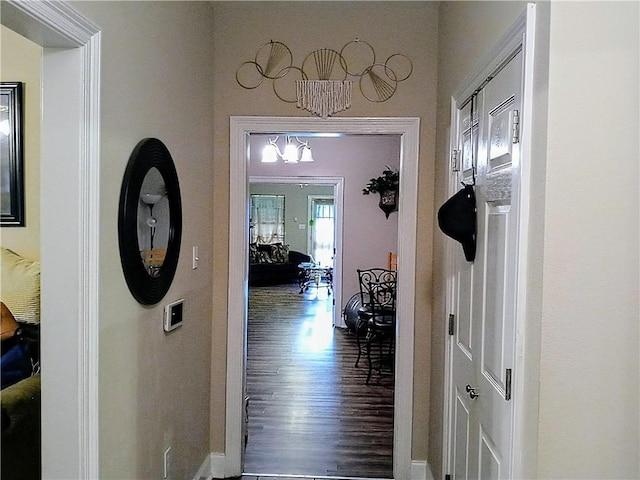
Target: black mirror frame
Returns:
[148, 153]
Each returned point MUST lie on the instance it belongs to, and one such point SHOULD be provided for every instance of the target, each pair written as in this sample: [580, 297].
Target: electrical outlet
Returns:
[166, 462]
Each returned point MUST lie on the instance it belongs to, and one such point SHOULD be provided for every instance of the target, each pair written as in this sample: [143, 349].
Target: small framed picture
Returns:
[11, 155]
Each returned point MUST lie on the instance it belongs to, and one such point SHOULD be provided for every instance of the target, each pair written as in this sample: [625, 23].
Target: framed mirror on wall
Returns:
[150, 221]
[11, 155]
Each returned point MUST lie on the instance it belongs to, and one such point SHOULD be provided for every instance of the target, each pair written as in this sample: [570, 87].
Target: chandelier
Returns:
[294, 151]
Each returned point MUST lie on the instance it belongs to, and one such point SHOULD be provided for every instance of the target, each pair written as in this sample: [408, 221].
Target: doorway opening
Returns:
[293, 378]
[322, 218]
[240, 130]
[295, 219]
[70, 183]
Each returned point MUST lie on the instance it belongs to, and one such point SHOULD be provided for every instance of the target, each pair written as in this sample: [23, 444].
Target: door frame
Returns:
[519, 37]
[70, 183]
[338, 194]
[240, 128]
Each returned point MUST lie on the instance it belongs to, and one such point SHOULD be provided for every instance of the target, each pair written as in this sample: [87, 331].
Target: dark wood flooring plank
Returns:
[310, 412]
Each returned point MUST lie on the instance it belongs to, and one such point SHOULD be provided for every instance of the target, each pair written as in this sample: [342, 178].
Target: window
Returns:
[266, 221]
[323, 218]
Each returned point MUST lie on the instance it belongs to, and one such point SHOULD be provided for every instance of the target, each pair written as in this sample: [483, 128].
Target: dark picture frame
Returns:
[11, 155]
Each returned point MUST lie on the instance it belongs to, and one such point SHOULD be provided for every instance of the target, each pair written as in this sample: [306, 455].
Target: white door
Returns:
[483, 292]
[461, 323]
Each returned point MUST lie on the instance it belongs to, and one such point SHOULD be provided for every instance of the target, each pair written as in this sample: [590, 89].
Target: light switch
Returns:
[196, 257]
[301, 226]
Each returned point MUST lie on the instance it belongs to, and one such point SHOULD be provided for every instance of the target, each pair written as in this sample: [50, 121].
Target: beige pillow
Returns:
[20, 286]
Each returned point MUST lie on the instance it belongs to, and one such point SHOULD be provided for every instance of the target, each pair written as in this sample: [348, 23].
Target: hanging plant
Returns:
[386, 185]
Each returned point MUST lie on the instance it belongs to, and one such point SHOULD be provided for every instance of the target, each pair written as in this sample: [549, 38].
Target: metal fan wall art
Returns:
[323, 84]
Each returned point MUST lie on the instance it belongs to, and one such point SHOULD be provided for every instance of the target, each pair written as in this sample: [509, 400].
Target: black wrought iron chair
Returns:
[365, 278]
[381, 327]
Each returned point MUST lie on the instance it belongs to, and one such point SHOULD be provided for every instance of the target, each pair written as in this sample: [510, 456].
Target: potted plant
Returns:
[386, 185]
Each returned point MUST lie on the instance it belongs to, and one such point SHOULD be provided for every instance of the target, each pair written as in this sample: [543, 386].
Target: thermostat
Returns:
[173, 315]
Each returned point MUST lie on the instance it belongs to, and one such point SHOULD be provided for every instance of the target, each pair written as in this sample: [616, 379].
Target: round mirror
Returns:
[153, 222]
[150, 221]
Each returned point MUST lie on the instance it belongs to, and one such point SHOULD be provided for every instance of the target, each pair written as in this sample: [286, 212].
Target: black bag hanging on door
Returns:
[457, 219]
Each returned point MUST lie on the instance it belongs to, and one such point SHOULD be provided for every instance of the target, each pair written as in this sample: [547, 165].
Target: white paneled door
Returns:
[483, 292]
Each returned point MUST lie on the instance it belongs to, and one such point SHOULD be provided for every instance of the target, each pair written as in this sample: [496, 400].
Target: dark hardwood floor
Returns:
[310, 412]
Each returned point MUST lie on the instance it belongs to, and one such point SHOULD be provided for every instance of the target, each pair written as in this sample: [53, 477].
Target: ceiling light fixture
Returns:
[293, 152]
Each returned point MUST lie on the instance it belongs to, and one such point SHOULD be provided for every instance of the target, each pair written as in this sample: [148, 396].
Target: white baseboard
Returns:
[218, 465]
[420, 470]
[205, 469]
[212, 467]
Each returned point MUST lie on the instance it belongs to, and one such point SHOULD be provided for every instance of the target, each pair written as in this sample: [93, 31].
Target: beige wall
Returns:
[589, 372]
[157, 81]
[390, 27]
[582, 365]
[20, 62]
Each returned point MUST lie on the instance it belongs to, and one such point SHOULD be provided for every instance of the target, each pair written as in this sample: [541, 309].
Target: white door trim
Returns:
[520, 36]
[70, 221]
[338, 195]
[240, 128]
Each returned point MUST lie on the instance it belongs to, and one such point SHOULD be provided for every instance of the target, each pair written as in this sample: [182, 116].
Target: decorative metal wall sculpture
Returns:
[322, 85]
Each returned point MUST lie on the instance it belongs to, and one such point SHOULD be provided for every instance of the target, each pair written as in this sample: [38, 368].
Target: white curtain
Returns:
[267, 219]
[323, 232]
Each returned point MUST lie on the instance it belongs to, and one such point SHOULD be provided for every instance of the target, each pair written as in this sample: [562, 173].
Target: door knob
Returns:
[472, 392]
